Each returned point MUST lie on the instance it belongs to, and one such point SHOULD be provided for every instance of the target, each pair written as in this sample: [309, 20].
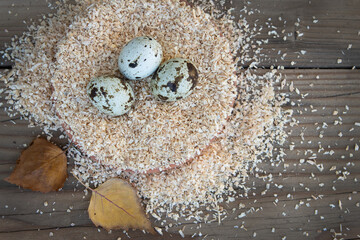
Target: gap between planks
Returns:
[266, 218]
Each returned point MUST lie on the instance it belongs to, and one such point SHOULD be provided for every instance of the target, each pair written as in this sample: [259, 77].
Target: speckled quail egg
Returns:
[174, 80]
[111, 95]
[140, 58]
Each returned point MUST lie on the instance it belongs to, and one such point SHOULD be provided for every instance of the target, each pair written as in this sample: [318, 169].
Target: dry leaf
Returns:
[41, 167]
[115, 205]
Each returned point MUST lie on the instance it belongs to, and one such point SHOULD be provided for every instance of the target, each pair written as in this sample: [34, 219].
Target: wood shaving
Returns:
[153, 135]
[225, 139]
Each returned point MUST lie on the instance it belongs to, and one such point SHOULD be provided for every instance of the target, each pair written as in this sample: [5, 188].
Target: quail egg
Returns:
[111, 95]
[140, 58]
[174, 80]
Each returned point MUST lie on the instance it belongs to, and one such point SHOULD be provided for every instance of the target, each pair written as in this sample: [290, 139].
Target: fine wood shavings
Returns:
[153, 135]
[233, 120]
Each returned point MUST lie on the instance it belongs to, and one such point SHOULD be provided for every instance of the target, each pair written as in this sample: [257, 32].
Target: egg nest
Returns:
[61, 53]
[154, 135]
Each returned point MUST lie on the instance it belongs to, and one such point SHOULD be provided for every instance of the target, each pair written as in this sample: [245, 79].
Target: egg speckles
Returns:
[174, 80]
[111, 95]
[140, 58]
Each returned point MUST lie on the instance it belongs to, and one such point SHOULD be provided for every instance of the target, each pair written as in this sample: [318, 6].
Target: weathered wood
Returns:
[292, 225]
[85, 233]
[293, 183]
[324, 41]
[329, 90]
[15, 16]
[324, 29]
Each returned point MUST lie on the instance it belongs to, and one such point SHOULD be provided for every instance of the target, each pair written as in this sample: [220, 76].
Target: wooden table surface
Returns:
[302, 202]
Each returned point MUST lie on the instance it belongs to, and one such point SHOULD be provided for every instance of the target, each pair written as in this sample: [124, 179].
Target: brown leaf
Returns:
[41, 167]
[115, 205]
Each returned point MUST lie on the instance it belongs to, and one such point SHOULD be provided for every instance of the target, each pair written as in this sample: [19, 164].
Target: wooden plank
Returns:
[288, 204]
[323, 29]
[84, 233]
[324, 41]
[292, 223]
[15, 16]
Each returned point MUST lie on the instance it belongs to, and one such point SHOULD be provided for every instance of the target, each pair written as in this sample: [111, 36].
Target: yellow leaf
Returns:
[41, 167]
[115, 205]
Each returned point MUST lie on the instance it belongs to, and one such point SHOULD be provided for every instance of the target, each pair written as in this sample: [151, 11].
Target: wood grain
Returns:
[324, 41]
[328, 27]
[23, 214]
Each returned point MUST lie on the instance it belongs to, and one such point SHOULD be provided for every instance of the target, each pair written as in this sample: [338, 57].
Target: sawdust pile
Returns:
[56, 58]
